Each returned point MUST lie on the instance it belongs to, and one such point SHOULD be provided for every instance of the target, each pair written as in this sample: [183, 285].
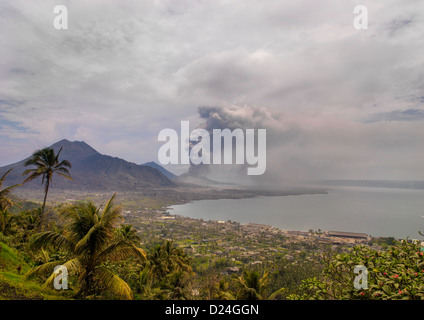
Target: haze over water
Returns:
[375, 211]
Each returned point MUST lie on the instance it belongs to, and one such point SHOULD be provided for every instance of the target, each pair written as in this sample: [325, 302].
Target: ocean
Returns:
[379, 212]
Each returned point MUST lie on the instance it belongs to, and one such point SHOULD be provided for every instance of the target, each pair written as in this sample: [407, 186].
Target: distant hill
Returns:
[165, 172]
[94, 171]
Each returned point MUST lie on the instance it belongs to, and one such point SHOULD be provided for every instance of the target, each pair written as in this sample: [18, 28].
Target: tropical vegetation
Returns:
[107, 258]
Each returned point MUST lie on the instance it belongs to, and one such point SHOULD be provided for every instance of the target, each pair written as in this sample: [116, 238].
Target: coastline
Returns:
[158, 200]
[376, 212]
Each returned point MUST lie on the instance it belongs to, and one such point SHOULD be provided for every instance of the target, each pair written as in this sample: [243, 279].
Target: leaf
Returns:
[387, 289]
[277, 293]
[71, 265]
[114, 283]
[42, 269]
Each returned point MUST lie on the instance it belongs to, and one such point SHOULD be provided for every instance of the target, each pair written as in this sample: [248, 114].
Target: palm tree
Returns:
[6, 220]
[224, 292]
[167, 258]
[47, 163]
[178, 286]
[128, 232]
[216, 287]
[89, 239]
[253, 286]
[166, 273]
[5, 202]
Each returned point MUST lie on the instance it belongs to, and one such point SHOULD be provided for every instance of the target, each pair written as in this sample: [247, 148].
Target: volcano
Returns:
[92, 170]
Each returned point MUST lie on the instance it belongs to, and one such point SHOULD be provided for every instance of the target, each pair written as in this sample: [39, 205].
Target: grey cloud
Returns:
[310, 147]
[11, 103]
[397, 25]
[233, 117]
[279, 129]
[124, 70]
[398, 115]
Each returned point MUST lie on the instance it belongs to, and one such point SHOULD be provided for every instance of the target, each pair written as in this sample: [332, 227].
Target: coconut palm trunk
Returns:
[46, 191]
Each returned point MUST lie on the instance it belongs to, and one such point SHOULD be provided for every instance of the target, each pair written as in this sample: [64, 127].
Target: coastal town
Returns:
[227, 247]
[235, 244]
[213, 240]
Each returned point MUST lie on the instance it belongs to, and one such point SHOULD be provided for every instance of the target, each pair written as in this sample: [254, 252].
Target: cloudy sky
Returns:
[337, 102]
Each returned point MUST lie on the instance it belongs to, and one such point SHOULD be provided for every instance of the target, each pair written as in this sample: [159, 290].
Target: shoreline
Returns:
[163, 199]
[399, 234]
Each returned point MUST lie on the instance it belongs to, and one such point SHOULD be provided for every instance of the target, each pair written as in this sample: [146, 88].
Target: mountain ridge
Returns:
[167, 173]
[92, 170]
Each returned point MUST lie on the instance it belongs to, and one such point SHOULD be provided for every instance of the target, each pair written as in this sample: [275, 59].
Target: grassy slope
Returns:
[12, 284]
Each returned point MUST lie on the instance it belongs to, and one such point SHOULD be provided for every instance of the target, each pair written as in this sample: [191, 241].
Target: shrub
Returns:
[395, 273]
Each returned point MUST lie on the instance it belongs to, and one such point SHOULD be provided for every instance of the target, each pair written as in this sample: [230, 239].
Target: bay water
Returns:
[375, 211]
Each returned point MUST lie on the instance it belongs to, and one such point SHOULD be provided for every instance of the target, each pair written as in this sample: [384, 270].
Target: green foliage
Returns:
[216, 286]
[12, 287]
[105, 261]
[253, 286]
[6, 222]
[89, 241]
[5, 202]
[166, 274]
[396, 273]
[6, 218]
[11, 260]
[383, 241]
[290, 276]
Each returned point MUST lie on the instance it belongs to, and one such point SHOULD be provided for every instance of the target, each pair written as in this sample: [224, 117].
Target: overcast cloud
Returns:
[337, 102]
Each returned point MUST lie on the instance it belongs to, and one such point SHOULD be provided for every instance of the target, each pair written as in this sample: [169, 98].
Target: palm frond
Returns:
[80, 218]
[73, 265]
[46, 255]
[113, 283]
[63, 163]
[4, 200]
[111, 215]
[227, 296]
[31, 161]
[4, 176]
[120, 251]
[85, 242]
[57, 155]
[69, 213]
[34, 174]
[67, 176]
[53, 240]
[6, 191]
[43, 269]
[276, 294]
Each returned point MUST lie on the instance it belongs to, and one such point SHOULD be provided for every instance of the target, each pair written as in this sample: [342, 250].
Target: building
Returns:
[341, 234]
